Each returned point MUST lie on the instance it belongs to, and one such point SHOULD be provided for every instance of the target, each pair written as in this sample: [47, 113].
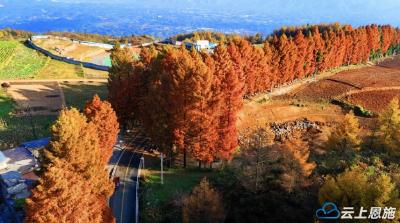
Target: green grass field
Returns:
[58, 70]
[77, 94]
[157, 198]
[6, 104]
[175, 181]
[17, 61]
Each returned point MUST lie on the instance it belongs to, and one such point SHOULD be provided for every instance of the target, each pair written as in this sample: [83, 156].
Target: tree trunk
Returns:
[184, 158]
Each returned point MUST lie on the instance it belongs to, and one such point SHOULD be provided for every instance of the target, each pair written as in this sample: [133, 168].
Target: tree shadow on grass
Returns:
[77, 94]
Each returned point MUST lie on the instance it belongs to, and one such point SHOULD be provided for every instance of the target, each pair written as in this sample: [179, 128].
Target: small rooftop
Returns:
[23, 157]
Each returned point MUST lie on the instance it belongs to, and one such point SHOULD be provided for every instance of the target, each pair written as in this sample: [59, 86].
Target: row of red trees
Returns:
[298, 52]
[188, 101]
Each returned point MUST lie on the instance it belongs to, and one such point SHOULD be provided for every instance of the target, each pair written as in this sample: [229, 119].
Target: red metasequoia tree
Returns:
[74, 186]
[101, 114]
[231, 87]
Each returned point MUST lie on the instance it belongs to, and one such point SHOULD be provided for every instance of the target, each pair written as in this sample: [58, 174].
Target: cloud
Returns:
[328, 211]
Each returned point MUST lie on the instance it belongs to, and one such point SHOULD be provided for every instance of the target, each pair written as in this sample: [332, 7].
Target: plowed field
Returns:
[384, 75]
[375, 101]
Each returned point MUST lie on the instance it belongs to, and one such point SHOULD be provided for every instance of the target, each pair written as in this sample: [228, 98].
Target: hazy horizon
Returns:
[164, 18]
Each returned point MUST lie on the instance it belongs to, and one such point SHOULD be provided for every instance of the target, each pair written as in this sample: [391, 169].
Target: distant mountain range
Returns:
[169, 17]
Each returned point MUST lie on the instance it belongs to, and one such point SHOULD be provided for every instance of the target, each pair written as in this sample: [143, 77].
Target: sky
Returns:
[165, 17]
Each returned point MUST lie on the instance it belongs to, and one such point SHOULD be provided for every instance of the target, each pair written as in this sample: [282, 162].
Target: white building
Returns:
[3, 161]
[201, 45]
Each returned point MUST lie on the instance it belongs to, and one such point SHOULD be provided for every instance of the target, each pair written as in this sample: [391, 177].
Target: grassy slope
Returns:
[20, 62]
[7, 50]
[58, 70]
[24, 63]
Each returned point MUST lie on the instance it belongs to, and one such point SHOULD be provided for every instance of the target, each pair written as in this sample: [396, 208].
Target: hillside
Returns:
[17, 61]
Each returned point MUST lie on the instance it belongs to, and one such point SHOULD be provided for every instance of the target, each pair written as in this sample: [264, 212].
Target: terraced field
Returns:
[23, 63]
[7, 49]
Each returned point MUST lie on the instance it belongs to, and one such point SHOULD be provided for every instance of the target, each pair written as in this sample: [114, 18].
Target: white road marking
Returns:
[123, 190]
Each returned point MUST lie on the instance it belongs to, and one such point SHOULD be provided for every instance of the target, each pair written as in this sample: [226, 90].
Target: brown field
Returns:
[37, 98]
[255, 114]
[371, 86]
[383, 75]
[374, 100]
[391, 63]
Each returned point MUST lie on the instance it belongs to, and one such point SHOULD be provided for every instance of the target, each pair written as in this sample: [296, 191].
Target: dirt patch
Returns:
[74, 50]
[37, 98]
[255, 114]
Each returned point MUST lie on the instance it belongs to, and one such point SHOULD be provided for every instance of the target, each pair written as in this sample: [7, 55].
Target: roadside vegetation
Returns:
[159, 200]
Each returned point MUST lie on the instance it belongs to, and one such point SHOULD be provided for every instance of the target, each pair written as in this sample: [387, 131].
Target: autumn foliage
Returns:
[360, 187]
[203, 205]
[101, 114]
[187, 101]
[74, 186]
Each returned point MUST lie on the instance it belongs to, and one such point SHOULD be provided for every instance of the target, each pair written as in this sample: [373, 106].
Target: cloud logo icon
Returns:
[329, 210]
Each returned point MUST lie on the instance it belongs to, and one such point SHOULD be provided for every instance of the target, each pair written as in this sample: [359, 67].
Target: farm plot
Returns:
[24, 63]
[323, 90]
[373, 77]
[391, 63]
[18, 61]
[6, 50]
[374, 100]
[37, 98]
[78, 93]
[15, 127]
